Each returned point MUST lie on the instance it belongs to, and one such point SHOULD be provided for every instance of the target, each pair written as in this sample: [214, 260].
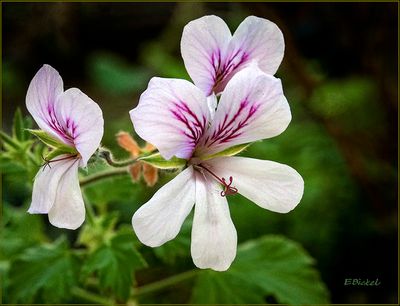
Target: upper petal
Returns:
[203, 46]
[68, 210]
[261, 41]
[42, 94]
[81, 119]
[172, 114]
[46, 183]
[160, 219]
[251, 108]
[214, 238]
[271, 185]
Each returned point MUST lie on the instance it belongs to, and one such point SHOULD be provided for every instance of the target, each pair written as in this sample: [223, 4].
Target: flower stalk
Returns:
[107, 156]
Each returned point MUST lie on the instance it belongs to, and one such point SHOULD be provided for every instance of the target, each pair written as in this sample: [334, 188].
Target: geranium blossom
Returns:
[173, 115]
[212, 55]
[74, 120]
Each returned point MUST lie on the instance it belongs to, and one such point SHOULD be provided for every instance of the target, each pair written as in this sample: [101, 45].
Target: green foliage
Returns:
[19, 155]
[114, 263]
[270, 265]
[48, 271]
[18, 126]
[115, 76]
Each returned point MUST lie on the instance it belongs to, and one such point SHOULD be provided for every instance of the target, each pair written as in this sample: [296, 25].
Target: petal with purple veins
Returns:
[80, 120]
[203, 46]
[172, 114]
[251, 108]
[212, 56]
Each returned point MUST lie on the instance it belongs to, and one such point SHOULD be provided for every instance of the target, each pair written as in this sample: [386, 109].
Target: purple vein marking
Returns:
[194, 125]
[228, 130]
[224, 71]
[67, 133]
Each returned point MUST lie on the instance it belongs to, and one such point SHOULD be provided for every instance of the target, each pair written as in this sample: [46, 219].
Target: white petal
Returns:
[172, 115]
[212, 56]
[212, 103]
[82, 119]
[271, 185]
[42, 94]
[160, 219]
[252, 107]
[46, 183]
[262, 41]
[203, 46]
[214, 238]
[68, 210]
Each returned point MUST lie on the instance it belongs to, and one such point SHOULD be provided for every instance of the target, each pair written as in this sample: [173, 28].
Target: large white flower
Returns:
[76, 121]
[212, 55]
[173, 115]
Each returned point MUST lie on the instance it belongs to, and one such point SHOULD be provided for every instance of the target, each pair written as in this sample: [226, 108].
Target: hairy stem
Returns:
[101, 176]
[107, 156]
[162, 284]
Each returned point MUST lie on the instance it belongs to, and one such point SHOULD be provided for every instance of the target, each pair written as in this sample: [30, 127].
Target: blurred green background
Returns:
[339, 75]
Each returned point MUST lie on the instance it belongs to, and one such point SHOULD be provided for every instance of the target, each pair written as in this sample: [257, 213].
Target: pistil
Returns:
[47, 162]
[228, 189]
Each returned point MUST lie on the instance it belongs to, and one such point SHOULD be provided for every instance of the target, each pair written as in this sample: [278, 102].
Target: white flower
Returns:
[212, 55]
[74, 120]
[174, 116]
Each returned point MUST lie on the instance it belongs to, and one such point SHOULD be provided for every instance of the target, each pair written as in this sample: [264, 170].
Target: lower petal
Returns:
[214, 238]
[45, 186]
[271, 185]
[68, 210]
[161, 218]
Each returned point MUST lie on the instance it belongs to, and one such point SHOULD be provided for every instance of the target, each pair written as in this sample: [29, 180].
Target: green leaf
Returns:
[156, 160]
[228, 152]
[114, 263]
[268, 266]
[52, 142]
[18, 125]
[9, 141]
[48, 270]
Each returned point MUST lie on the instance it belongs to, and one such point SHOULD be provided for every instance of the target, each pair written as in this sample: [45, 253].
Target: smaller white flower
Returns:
[212, 55]
[76, 121]
[174, 116]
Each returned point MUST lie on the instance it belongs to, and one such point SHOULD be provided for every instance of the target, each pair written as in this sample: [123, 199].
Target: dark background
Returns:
[340, 76]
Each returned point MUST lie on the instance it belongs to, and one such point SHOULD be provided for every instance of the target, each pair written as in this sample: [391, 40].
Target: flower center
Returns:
[228, 189]
[48, 162]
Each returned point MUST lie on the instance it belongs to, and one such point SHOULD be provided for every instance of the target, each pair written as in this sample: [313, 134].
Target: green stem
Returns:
[106, 155]
[167, 282]
[91, 297]
[101, 175]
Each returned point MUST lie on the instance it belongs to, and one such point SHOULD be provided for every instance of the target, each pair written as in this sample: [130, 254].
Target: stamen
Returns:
[47, 162]
[228, 189]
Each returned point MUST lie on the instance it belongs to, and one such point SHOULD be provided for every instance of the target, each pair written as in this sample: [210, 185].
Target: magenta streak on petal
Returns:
[228, 130]
[222, 73]
[184, 114]
[66, 134]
